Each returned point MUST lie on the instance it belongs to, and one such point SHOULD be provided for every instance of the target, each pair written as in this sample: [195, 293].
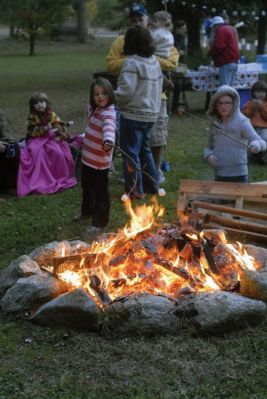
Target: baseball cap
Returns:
[217, 20]
[137, 8]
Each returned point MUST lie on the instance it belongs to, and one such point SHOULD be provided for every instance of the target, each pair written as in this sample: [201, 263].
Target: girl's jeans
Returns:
[135, 141]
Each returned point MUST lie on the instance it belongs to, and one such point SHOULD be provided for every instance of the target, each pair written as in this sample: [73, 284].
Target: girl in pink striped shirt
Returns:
[97, 154]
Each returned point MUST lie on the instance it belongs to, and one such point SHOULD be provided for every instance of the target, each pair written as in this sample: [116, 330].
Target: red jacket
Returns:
[224, 49]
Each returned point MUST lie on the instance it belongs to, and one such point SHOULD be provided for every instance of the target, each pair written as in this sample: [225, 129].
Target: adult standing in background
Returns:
[139, 17]
[180, 39]
[224, 50]
[180, 43]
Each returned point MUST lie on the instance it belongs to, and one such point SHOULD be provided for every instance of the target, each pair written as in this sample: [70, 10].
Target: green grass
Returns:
[43, 363]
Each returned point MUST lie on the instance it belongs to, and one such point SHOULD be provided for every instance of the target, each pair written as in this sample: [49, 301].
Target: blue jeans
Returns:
[227, 74]
[135, 141]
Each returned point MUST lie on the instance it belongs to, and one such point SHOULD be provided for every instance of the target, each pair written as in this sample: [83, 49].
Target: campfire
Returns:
[170, 260]
[148, 278]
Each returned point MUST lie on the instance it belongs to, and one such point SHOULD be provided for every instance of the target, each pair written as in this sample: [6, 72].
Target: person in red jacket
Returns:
[224, 50]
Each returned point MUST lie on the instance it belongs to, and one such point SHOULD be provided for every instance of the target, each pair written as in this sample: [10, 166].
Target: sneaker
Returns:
[93, 230]
[161, 177]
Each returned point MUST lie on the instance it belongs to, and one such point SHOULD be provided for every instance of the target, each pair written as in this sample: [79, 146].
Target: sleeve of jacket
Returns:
[4, 126]
[127, 83]
[247, 109]
[108, 117]
[170, 63]
[34, 129]
[209, 149]
[263, 112]
[115, 57]
[219, 44]
[252, 136]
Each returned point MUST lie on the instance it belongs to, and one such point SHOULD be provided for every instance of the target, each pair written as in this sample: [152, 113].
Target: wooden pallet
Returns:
[239, 193]
[245, 203]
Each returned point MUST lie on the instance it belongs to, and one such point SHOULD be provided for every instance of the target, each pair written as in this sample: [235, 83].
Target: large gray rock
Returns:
[21, 267]
[219, 312]
[259, 254]
[44, 254]
[73, 310]
[254, 285]
[28, 293]
[142, 314]
[78, 247]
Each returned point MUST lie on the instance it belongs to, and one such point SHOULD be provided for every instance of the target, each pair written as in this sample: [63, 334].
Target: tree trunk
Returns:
[32, 38]
[261, 34]
[80, 8]
[193, 31]
[11, 30]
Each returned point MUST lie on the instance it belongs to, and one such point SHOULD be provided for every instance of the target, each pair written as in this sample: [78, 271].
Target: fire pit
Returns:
[148, 278]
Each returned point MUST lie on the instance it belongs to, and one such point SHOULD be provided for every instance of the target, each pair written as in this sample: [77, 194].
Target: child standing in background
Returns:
[256, 110]
[231, 134]
[97, 154]
[139, 97]
[163, 40]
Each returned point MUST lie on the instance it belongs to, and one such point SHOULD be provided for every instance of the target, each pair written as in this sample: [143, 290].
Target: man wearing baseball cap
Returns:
[138, 16]
[224, 50]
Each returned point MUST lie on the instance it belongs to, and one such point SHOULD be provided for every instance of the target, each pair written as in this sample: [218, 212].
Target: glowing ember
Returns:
[170, 261]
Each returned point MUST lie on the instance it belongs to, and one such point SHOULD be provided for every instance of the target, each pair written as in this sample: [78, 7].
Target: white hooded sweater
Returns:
[139, 88]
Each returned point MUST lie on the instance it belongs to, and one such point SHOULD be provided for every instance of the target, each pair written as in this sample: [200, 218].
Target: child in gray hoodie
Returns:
[231, 136]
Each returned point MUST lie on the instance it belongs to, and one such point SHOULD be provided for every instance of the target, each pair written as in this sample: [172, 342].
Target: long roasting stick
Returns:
[220, 129]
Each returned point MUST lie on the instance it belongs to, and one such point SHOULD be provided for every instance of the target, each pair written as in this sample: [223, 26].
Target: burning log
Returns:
[101, 293]
[208, 254]
[75, 262]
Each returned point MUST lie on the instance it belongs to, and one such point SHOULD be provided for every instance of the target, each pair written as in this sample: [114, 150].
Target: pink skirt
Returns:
[46, 167]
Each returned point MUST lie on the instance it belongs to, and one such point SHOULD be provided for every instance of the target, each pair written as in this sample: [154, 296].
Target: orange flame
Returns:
[124, 265]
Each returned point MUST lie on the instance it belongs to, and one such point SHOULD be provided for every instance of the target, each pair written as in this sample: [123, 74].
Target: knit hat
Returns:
[137, 8]
[216, 21]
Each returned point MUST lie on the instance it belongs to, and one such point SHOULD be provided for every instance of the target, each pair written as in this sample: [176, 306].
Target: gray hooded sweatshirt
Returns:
[231, 156]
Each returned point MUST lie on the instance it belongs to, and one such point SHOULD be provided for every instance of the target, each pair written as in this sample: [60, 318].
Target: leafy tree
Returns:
[32, 15]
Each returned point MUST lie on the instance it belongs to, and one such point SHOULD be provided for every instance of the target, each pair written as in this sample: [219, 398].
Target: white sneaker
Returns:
[93, 230]
[161, 176]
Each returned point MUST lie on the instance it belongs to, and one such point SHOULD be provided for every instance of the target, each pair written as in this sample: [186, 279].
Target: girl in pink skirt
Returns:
[46, 163]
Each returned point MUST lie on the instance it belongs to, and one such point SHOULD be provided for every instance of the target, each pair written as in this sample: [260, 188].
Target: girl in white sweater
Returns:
[139, 96]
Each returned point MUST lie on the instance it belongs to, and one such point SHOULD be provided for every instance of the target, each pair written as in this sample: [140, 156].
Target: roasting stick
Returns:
[161, 191]
[220, 129]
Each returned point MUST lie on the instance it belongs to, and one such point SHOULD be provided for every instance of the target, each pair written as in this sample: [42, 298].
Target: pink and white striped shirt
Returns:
[101, 126]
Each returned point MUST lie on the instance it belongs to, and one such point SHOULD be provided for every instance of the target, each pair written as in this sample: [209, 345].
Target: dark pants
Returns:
[95, 195]
[9, 170]
[233, 179]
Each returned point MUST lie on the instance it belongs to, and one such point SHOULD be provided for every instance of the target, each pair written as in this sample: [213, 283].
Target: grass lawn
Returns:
[44, 363]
